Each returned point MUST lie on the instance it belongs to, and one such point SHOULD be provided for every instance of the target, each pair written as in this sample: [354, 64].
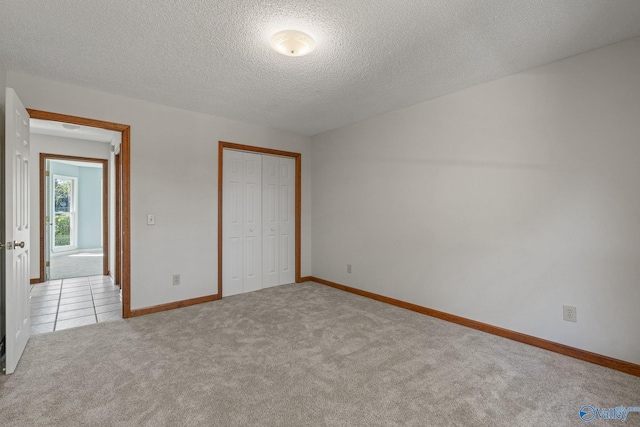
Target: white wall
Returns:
[174, 176]
[53, 145]
[499, 203]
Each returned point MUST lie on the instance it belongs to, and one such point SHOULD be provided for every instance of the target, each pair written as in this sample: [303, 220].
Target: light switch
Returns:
[151, 219]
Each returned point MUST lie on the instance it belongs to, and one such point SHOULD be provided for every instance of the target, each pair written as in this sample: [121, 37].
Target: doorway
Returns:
[291, 162]
[121, 204]
[74, 202]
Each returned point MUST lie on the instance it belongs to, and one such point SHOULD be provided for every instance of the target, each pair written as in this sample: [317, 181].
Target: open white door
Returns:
[17, 229]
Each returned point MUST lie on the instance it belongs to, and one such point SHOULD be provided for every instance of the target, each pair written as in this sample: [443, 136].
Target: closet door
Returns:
[278, 220]
[287, 223]
[241, 222]
[252, 280]
[270, 221]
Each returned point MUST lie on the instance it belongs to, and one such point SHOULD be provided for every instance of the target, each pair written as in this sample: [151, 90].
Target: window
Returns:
[64, 199]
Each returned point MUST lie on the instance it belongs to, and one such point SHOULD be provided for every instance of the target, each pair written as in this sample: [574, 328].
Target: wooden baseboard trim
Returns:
[305, 279]
[35, 281]
[172, 305]
[576, 353]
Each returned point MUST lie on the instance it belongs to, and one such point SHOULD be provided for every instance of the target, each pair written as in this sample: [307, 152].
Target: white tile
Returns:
[42, 304]
[75, 280]
[64, 315]
[100, 279]
[44, 310]
[75, 306]
[44, 318]
[72, 300]
[107, 285]
[108, 307]
[40, 298]
[106, 292]
[66, 284]
[45, 287]
[78, 285]
[45, 291]
[77, 293]
[109, 300]
[42, 328]
[109, 316]
[73, 323]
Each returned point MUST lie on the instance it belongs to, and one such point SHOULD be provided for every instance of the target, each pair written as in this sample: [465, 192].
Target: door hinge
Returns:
[46, 173]
[48, 264]
[46, 218]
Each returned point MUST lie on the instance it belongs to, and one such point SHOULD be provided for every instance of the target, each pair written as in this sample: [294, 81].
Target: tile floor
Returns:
[68, 303]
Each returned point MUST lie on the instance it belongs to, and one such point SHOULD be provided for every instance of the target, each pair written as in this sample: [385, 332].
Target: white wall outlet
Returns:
[348, 268]
[569, 313]
[151, 219]
[176, 279]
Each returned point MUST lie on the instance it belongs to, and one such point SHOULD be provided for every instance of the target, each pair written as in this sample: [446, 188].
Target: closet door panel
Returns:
[286, 223]
[270, 221]
[232, 223]
[252, 227]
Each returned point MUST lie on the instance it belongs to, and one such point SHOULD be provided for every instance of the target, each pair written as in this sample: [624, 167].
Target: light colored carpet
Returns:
[77, 264]
[300, 355]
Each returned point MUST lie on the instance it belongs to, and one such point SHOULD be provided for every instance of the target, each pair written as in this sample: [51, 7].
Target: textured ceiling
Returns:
[372, 56]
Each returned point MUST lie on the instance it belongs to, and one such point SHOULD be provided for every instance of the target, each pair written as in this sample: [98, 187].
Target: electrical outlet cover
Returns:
[569, 313]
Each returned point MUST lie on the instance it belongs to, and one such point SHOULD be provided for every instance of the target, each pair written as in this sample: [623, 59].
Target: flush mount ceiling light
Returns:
[292, 43]
[70, 126]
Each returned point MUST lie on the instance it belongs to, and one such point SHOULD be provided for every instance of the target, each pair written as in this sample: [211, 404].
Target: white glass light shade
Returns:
[292, 43]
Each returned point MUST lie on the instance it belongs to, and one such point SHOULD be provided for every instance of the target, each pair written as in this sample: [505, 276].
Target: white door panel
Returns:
[17, 229]
[287, 273]
[252, 222]
[242, 222]
[270, 245]
[232, 259]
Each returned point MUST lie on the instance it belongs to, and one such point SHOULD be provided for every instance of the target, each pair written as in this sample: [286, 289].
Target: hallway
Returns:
[69, 303]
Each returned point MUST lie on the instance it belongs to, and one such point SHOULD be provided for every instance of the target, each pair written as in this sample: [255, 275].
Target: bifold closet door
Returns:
[278, 220]
[241, 222]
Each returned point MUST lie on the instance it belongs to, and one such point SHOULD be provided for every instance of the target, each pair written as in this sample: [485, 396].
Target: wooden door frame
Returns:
[298, 202]
[123, 196]
[105, 206]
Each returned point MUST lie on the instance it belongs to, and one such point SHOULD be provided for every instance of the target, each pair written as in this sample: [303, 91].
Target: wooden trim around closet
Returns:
[123, 250]
[298, 203]
[576, 353]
